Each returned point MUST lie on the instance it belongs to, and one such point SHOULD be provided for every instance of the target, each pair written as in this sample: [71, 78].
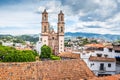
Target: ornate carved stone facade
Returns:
[51, 38]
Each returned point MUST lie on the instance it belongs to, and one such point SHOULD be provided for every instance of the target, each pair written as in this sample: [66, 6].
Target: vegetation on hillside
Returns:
[18, 39]
[80, 41]
[28, 38]
[117, 41]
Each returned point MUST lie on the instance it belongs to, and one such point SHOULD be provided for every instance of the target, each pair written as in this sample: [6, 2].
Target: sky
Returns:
[91, 16]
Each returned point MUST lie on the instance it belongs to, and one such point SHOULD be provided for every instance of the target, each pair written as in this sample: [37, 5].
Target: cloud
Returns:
[96, 16]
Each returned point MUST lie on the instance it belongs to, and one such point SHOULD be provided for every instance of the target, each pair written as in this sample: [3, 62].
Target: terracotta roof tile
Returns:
[95, 45]
[102, 59]
[69, 55]
[110, 46]
[113, 77]
[46, 70]
[116, 48]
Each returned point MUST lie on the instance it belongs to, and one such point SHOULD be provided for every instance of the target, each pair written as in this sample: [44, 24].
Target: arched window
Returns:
[45, 28]
[44, 17]
[53, 38]
[61, 29]
[61, 18]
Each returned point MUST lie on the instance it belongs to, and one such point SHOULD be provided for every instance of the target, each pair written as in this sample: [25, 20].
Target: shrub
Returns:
[53, 57]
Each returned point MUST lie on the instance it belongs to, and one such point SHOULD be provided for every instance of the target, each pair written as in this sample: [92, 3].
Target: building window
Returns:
[44, 40]
[105, 55]
[61, 18]
[61, 40]
[110, 50]
[61, 44]
[117, 51]
[83, 53]
[109, 65]
[45, 28]
[45, 17]
[53, 38]
[61, 47]
[99, 55]
[102, 66]
[61, 29]
[92, 64]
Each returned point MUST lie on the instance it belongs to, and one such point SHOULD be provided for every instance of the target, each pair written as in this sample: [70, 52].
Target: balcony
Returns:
[102, 69]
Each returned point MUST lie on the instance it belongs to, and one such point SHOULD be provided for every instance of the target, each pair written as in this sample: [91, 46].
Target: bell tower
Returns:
[61, 30]
[44, 27]
[61, 23]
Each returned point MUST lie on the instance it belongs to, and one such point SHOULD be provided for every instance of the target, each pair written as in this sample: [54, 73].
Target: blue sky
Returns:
[94, 16]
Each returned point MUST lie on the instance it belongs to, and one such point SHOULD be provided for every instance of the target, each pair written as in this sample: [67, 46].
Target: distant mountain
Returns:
[19, 38]
[109, 37]
[32, 38]
[35, 37]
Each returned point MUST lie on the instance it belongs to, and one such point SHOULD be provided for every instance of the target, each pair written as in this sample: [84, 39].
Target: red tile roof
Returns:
[95, 45]
[69, 55]
[101, 59]
[116, 48]
[46, 70]
[113, 77]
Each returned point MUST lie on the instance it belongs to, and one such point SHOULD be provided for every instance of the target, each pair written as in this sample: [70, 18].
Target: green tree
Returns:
[79, 37]
[45, 51]
[0, 43]
[10, 54]
[53, 57]
[85, 41]
[19, 56]
[93, 41]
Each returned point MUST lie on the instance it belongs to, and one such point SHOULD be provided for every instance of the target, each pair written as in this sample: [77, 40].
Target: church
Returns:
[51, 38]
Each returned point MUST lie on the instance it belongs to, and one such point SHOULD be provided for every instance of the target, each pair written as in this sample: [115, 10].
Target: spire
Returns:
[44, 11]
[61, 12]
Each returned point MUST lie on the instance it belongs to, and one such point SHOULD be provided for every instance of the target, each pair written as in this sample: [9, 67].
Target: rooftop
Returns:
[95, 45]
[69, 55]
[116, 48]
[46, 70]
[101, 59]
[113, 77]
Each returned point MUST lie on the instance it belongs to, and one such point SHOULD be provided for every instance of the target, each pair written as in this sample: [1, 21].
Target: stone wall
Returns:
[45, 70]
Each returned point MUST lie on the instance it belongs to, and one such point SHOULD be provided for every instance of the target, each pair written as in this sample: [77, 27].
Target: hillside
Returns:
[20, 38]
[109, 37]
[35, 37]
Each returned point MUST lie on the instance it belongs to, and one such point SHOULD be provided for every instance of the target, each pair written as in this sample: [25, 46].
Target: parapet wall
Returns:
[45, 70]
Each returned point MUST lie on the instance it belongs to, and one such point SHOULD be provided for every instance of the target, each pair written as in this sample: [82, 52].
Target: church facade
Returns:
[51, 38]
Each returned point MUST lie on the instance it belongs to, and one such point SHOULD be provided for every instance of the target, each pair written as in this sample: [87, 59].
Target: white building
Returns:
[38, 45]
[101, 59]
[7, 43]
[102, 66]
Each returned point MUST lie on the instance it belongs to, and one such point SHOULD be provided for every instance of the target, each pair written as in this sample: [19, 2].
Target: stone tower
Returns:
[61, 31]
[45, 28]
[51, 38]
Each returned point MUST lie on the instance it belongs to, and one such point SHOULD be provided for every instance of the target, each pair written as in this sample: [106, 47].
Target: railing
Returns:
[102, 69]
